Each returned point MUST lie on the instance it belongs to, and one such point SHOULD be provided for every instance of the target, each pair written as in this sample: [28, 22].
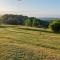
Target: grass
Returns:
[26, 43]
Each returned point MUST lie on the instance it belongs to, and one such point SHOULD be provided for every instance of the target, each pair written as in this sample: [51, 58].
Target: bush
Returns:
[55, 26]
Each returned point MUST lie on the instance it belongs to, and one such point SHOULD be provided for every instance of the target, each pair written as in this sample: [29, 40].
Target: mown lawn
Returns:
[26, 43]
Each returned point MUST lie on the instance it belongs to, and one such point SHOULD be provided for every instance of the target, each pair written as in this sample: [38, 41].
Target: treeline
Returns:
[23, 20]
[11, 19]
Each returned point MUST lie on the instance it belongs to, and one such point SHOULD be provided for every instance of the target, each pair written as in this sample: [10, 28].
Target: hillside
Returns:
[26, 43]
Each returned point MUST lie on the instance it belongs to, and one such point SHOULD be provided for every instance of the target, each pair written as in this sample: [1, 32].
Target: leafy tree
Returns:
[31, 21]
[55, 26]
[34, 21]
[23, 20]
[27, 22]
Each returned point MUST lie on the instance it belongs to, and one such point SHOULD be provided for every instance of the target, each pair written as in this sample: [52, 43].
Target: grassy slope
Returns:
[23, 43]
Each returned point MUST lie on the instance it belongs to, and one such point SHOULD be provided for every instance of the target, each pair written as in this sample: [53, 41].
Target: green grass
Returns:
[26, 43]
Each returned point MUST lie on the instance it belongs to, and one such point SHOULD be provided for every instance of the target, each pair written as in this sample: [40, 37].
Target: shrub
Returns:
[55, 26]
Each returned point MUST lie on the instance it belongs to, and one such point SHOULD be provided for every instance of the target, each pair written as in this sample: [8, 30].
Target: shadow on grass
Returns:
[41, 30]
[2, 26]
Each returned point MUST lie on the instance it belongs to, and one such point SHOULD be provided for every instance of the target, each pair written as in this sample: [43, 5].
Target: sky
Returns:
[36, 8]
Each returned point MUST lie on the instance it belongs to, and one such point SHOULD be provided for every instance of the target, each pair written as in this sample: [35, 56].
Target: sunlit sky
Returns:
[37, 8]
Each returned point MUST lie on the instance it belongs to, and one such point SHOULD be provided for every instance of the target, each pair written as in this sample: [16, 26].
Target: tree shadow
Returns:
[41, 30]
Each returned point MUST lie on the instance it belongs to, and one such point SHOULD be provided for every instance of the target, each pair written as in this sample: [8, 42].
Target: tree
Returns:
[34, 22]
[55, 26]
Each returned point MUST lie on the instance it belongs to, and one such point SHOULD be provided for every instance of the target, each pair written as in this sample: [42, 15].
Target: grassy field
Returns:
[26, 43]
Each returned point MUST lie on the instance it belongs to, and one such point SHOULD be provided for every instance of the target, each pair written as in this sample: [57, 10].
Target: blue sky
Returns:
[37, 8]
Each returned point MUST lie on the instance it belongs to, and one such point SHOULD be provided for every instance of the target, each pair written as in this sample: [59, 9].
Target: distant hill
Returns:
[48, 18]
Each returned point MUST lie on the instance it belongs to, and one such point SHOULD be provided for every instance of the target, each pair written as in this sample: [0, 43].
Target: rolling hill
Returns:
[26, 43]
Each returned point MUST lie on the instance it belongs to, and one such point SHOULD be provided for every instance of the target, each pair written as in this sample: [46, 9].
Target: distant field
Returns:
[26, 43]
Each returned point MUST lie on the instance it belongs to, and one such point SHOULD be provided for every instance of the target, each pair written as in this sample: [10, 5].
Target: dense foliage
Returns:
[30, 21]
[55, 25]
[24, 20]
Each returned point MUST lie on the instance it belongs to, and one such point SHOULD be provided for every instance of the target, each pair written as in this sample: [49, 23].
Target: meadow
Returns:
[27, 43]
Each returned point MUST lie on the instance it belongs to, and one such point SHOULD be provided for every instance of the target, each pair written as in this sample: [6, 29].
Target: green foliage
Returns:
[55, 26]
[32, 22]
[23, 20]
